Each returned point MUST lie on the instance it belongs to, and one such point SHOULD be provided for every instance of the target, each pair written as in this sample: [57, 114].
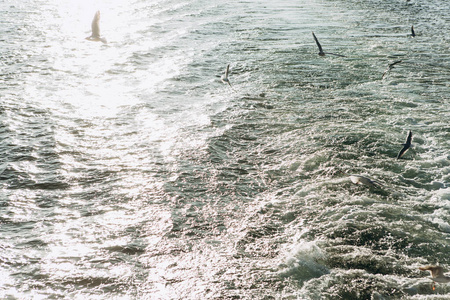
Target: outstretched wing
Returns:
[95, 25]
[436, 271]
[385, 72]
[394, 63]
[317, 42]
[405, 145]
[340, 55]
[409, 138]
[227, 71]
[404, 149]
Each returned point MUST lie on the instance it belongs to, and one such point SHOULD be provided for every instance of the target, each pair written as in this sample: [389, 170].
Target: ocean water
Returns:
[128, 170]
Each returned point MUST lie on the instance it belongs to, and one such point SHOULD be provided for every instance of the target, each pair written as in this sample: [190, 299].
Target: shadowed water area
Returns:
[128, 170]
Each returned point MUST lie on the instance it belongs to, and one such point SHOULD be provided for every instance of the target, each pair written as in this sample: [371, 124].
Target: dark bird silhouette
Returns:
[390, 67]
[321, 53]
[413, 34]
[95, 26]
[405, 145]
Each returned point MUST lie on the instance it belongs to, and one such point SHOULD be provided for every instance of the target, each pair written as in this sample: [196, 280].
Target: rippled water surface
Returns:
[128, 170]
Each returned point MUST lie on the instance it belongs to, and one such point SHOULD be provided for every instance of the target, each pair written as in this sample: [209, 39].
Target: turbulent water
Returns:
[128, 170]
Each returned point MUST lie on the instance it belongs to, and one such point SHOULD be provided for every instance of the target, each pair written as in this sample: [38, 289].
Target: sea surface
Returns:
[128, 170]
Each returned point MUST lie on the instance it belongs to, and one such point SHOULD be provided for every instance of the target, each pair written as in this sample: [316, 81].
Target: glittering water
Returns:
[128, 170]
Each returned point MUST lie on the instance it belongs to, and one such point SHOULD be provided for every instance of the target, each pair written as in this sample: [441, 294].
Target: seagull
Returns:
[437, 274]
[321, 53]
[95, 35]
[224, 77]
[358, 179]
[413, 34]
[405, 145]
[390, 67]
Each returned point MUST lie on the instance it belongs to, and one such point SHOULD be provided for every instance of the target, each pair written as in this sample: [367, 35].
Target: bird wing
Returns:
[95, 25]
[404, 149]
[437, 272]
[356, 179]
[390, 66]
[226, 71]
[394, 63]
[317, 42]
[412, 31]
[409, 138]
[340, 55]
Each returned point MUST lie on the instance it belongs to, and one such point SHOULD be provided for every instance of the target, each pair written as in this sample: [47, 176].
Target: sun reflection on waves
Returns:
[101, 241]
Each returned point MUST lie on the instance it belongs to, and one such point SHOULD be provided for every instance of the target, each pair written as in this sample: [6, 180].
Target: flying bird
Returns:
[413, 34]
[405, 145]
[437, 274]
[224, 77]
[358, 179]
[390, 67]
[321, 53]
[95, 35]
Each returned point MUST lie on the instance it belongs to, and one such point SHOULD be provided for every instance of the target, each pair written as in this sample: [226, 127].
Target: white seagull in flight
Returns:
[358, 179]
[95, 35]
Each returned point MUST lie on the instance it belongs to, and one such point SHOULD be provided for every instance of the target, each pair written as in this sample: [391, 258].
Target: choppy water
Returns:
[129, 171]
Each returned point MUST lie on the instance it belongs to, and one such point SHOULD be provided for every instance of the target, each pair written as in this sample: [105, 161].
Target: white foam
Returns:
[305, 261]
[441, 197]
